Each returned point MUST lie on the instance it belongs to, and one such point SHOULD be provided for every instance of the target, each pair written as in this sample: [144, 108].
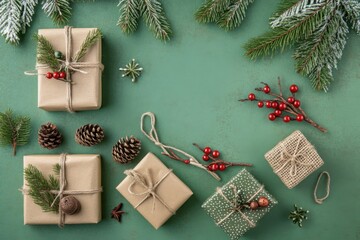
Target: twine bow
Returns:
[61, 192]
[146, 181]
[235, 208]
[153, 136]
[292, 159]
[69, 65]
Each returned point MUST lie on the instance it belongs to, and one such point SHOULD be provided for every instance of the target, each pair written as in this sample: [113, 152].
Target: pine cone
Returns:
[126, 149]
[49, 136]
[89, 135]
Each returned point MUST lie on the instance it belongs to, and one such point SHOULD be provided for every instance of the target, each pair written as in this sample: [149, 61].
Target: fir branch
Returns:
[57, 10]
[129, 15]
[27, 12]
[45, 53]
[211, 10]
[281, 37]
[14, 130]
[154, 17]
[234, 15]
[40, 189]
[352, 10]
[92, 37]
[10, 27]
[283, 7]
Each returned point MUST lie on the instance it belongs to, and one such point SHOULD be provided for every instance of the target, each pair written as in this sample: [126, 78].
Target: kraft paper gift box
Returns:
[222, 205]
[86, 88]
[83, 173]
[293, 159]
[168, 193]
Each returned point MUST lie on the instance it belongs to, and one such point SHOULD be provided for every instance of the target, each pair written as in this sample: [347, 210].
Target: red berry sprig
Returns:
[56, 75]
[289, 109]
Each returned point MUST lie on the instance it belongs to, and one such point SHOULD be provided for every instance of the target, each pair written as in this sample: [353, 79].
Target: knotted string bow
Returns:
[293, 159]
[153, 136]
[234, 206]
[69, 65]
[149, 184]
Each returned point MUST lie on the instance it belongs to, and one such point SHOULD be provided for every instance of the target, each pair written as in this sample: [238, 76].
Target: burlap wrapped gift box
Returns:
[171, 193]
[83, 172]
[221, 205]
[293, 159]
[86, 88]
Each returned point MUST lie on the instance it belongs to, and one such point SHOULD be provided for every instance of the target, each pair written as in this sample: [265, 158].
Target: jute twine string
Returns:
[147, 181]
[69, 65]
[153, 136]
[292, 159]
[235, 208]
[61, 192]
[316, 198]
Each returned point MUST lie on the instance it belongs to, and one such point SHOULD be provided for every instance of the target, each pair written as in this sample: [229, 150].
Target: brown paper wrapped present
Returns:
[154, 190]
[82, 180]
[84, 93]
[293, 159]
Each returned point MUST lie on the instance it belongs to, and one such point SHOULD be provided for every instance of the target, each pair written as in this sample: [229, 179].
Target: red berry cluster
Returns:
[261, 202]
[55, 75]
[286, 108]
[214, 154]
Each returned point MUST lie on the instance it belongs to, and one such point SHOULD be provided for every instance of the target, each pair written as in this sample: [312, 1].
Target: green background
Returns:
[192, 84]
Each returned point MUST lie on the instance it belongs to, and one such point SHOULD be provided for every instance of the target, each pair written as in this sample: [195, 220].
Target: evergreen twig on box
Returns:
[14, 130]
[318, 28]
[40, 187]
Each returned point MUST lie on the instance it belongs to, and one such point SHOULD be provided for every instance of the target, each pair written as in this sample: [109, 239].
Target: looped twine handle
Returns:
[316, 198]
[153, 136]
[149, 184]
[293, 159]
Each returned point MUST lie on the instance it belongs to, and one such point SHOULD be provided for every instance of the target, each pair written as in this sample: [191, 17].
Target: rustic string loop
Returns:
[316, 198]
[147, 181]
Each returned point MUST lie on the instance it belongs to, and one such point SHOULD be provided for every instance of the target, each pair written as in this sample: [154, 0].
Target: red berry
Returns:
[297, 103]
[277, 112]
[62, 75]
[260, 104]
[272, 116]
[263, 202]
[294, 88]
[268, 104]
[274, 105]
[291, 99]
[49, 75]
[205, 157]
[287, 119]
[254, 205]
[187, 161]
[299, 117]
[213, 167]
[216, 153]
[266, 89]
[251, 97]
[282, 106]
[56, 75]
[222, 167]
[207, 150]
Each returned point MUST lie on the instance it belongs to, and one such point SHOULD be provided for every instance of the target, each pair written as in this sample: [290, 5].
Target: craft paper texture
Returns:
[83, 172]
[171, 190]
[86, 88]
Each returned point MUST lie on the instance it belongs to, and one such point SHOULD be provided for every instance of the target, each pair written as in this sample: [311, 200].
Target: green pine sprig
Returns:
[58, 10]
[318, 30]
[298, 215]
[91, 38]
[14, 130]
[40, 188]
[211, 10]
[45, 53]
[129, 15]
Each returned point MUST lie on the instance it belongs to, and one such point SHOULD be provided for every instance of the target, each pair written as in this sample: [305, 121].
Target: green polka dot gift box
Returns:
[239, 204]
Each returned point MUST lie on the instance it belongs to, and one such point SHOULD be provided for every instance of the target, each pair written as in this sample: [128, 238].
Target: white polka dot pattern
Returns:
[218, 208]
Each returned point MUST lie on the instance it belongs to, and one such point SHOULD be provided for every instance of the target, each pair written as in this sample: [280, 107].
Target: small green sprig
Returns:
[92, 37]
[40, 187]
[14, 130]
[298, 215]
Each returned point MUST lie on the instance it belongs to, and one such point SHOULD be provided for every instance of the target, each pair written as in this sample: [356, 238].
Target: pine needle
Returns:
[92, 37]
[40, 189]
[14, 130]
[129, 15]
[234, 14]
[57, 10]
[45, 53]
[211, 10]
[10, 26]
[154, 17]
[27, 12]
